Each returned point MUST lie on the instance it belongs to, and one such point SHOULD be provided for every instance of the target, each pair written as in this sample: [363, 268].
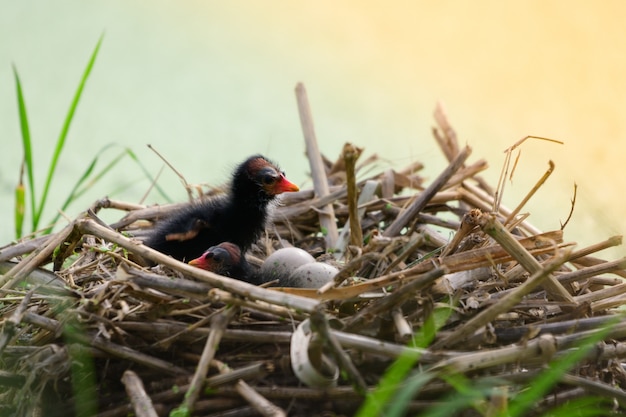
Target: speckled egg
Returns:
[280, 264]
[312, 275]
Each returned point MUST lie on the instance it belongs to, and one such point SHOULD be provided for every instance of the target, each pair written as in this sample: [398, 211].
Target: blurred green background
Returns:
[208, 83]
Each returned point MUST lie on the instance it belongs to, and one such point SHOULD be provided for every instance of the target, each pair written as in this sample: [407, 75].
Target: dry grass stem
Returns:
[142, 404]
[320, 183]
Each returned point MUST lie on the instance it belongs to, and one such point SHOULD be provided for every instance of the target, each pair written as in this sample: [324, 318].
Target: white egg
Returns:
[280, 264]
[312, 275]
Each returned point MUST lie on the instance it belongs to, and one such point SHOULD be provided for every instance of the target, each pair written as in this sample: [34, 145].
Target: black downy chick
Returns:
[238, 217]
[226, 259]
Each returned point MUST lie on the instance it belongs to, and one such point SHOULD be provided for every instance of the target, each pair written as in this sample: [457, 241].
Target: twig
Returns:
[260, 403]
[503, 305]
[366, 195]
[449, 143]
[350, 155]
[10, 324]
[180, 176]
[496, 230]
[218, 324]
[403, 328]
[35, 259]
[571, 210]
[592, 271]
[119, 351]
[319, 324]
[396, 298]
[326, 215]
[528, 196]
[420, 202]
[141, 402]
[219, 296]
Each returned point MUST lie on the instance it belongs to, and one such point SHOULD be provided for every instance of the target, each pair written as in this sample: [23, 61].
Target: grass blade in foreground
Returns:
[393, 378]
[61, 141]
[28, 155]
[20, 205]
[525, 400]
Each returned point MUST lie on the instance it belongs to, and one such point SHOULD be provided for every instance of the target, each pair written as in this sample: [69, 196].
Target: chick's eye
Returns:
[269, 179]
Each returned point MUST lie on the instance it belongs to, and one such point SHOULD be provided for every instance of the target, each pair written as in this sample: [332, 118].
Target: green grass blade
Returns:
[86, 180]
[525, 400]
[583, 407]
[464, 396]
[146, 172]
[397, 407]
[66, 126]
[26, 142]
[20, 205]
[73, 194]
[391, 381]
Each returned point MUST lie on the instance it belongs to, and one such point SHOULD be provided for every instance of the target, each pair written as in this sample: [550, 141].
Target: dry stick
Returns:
[218, 324]
[319, 323]
[595, 387]
[468, 223]
[35, 259]
[415, 242]
[528, 196]
[403, 327]
[581, 257]
[515, 334]
[500, 234]
[229, 284]
[350, 155]
[449, 143]
[542, 348]
[219, 296]
[592, 271]
[106, 202]
[141, 402]
[396, 298]
[420, 202]
[147, 213]
[180, 287]
[571, 210]
[10, 324]
[466, 173]
[21, 248]
[119, 351]
[257, 401]
[368, 192]
[479, 199]
[609, 243]
[502, 306]
[180, 176]
[320, 182]
[507, 164]
[599, 295]
[44, 280]
[253, 371]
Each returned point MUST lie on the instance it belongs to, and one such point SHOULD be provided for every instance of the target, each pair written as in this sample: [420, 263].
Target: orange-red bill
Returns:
[200, 262]
[284, 186]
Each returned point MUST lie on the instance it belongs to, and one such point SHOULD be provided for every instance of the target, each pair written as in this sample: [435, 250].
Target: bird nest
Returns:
[500, 301]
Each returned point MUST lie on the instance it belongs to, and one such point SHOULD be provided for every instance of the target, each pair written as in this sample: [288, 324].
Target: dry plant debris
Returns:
[148, 340]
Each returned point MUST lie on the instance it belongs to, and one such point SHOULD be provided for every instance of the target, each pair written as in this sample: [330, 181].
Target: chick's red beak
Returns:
[284, 185]
[200, 262]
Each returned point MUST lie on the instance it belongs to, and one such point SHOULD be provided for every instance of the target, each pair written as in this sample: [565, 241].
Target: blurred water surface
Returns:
[208, 83]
